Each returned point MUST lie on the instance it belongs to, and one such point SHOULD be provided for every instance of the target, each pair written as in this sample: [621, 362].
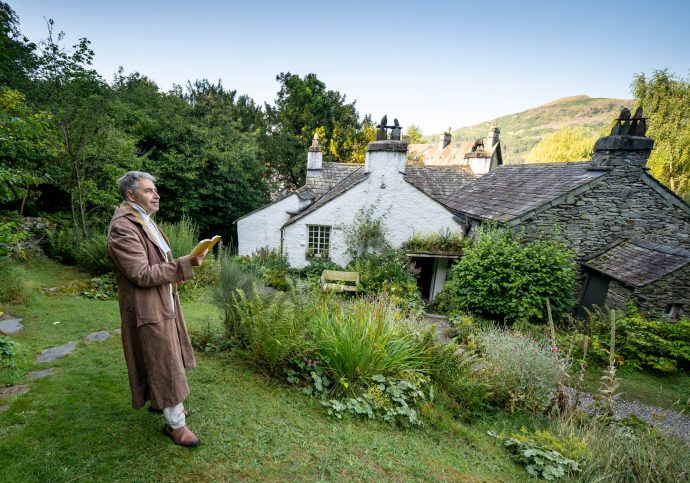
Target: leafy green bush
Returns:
[315, 267]
[544, 455]
[366, 234]
[272, 267]
[389, 273]
[445, 241]
[63, 244]
[393, 400]
[8, 351]
[12, 236]
[92, 253]
[101, 288]
[267, 329]
[500, 278]
[655, 345]
[233, 277]
[363, 338]
[522, 372]
[13, 289]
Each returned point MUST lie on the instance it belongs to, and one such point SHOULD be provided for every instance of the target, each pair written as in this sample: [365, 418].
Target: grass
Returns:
[671, 392]
[78, 423]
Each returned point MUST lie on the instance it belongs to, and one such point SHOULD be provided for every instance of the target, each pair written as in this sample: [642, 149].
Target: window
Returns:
[319, 241]
[671, 312]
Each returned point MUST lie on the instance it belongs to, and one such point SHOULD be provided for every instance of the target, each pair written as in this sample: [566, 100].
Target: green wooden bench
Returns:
[336, 281]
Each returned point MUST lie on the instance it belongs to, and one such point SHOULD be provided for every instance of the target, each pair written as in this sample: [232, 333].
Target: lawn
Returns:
[78, 423]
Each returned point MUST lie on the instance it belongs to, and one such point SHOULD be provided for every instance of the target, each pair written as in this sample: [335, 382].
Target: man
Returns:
[154, 336]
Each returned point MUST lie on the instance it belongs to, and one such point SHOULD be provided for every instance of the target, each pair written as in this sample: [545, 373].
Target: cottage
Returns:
[631, 235]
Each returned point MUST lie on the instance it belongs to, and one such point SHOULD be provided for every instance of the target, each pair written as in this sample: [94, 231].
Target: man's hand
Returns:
[199, 259]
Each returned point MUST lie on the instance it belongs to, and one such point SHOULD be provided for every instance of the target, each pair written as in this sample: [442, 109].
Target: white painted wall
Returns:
[262, 228]
[407, 211]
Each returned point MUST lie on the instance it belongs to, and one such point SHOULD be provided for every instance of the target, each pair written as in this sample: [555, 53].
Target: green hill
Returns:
[522, 130]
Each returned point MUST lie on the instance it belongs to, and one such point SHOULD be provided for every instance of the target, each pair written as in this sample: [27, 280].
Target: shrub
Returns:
[389, 273]
[63, 244]
[92, 253]
[182, 235]
[233, 277]
[272, 267]
[621, 452]
[395, 401]
[12, 237]
[13, 289]
[267, 329]
[8, 351]
[522, 372]
[445, 241]
[499, 277]
[316, 267]
[363, 338]
[366, 234]
[544, 455]
[655, 345]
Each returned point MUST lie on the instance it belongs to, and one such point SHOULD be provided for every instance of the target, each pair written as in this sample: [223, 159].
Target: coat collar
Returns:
[126, 211]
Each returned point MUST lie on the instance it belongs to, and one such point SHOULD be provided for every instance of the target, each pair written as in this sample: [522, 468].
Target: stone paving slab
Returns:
[56, 352]
[99, 336]
[40, 374]
[13, 390]
[11, 326]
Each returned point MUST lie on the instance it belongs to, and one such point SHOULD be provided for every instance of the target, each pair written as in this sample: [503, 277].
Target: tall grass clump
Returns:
[266, 329]
[13, 289]
[91, 253]
[232, 276]
[522, 372]
[365, 338]
[183, 236]
[619, 452]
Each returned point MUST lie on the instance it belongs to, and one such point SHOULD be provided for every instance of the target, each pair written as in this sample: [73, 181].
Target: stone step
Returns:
[55, 352]
[11, 326]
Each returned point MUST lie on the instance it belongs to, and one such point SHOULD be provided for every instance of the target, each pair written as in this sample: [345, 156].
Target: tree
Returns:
[17, 53]
[566, 144]
[28, 146]
[92, 151]
[665, 100]
[304, 105]
[415, 134]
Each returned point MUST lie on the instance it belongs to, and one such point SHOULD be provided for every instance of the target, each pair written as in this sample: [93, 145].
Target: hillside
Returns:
[522, 130]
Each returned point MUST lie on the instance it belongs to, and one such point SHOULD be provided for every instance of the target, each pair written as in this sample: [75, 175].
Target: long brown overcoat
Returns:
[154, 336]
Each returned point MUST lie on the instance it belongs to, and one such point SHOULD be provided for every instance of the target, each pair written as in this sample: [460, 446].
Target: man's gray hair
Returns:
[130, 181]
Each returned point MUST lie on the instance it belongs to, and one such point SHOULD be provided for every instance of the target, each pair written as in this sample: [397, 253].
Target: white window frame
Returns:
[319, 241]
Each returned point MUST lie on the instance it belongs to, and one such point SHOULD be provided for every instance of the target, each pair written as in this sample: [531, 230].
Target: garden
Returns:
[294, 382]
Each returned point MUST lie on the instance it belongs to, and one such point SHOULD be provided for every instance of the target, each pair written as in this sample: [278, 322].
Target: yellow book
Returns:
[206, 244]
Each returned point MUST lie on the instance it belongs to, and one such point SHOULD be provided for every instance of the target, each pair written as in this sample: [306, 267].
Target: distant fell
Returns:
[522, 130]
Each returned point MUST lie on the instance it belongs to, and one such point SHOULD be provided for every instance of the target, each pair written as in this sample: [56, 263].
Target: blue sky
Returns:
[435, 63]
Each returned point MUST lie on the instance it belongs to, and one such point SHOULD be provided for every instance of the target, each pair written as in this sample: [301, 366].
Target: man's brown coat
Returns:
[154, 336]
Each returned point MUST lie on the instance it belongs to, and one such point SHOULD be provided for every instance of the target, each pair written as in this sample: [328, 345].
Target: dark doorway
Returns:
[425, 265]
[595, 292]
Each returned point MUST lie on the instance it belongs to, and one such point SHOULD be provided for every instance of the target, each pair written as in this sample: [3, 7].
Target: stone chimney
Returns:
[314, 157]
[445, 139]
[627, 145]
[387, 156]
[492, 140]
[479, 159]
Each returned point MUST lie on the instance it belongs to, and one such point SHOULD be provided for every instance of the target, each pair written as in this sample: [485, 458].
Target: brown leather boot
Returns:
[181, 436]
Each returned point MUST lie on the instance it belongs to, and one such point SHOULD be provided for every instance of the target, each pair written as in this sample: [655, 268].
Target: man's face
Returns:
[145, 196]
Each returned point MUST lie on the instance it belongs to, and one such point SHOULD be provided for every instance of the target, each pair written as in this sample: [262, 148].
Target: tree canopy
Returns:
[566, 144]
[665, 99]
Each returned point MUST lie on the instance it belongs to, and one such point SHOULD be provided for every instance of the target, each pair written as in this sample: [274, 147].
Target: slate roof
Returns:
[638, 263]
[511, 191]
[355, 177]
[331, 174]
[453, 154]
[438, 182]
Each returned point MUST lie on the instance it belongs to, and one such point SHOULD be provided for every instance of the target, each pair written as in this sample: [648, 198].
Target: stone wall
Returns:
[621, 205]
[674, 288]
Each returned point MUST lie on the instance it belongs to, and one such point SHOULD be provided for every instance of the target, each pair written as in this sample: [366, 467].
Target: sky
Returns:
[435, 64]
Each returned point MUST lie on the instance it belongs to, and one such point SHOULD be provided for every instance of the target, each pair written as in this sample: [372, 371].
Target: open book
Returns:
[206, 244]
